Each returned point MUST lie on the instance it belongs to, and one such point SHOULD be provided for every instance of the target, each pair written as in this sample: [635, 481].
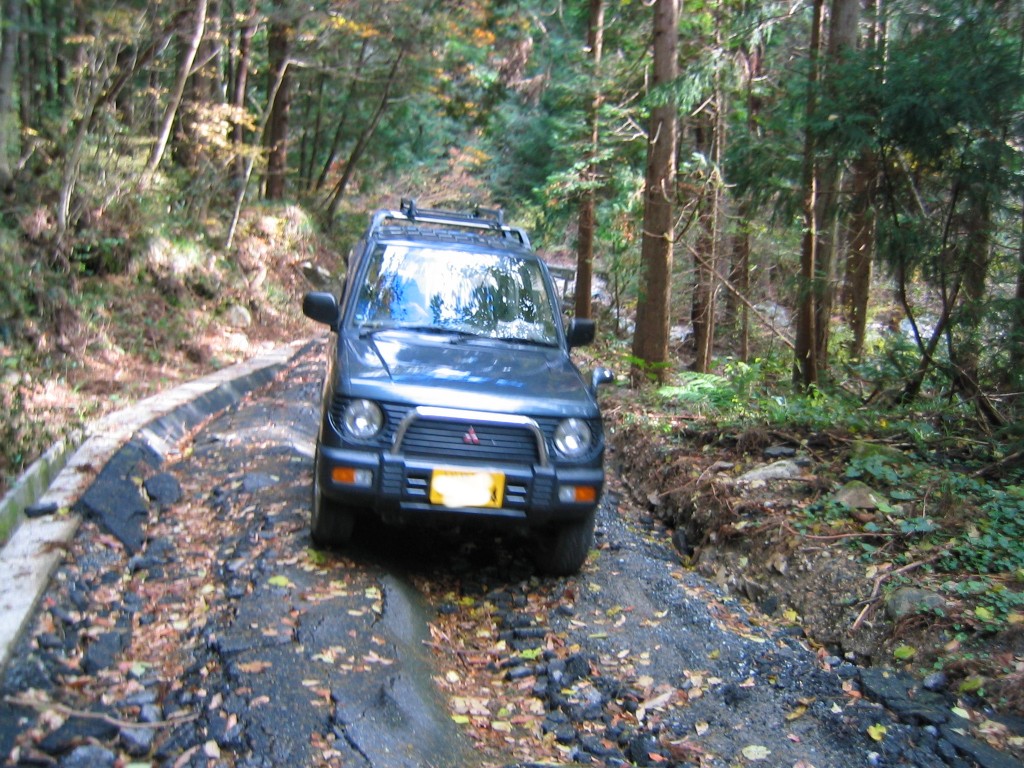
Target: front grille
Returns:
[466, 441]
[443, 434]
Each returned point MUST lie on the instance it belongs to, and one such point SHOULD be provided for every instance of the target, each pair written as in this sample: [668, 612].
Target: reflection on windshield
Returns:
[493, 295]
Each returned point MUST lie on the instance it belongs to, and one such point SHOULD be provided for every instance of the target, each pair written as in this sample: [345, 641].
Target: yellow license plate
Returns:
[462, 488]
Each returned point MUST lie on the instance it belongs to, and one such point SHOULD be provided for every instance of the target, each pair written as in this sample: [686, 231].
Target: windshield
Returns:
[495, 295]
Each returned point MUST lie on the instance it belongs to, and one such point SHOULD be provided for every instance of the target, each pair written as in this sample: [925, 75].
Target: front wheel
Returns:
[561, 551]
[330, 524]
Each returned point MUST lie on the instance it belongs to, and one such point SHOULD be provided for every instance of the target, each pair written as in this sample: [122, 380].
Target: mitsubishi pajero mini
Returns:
[450, 396]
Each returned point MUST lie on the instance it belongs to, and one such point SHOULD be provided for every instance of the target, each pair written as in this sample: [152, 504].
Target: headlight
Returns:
[572, 438]
[362, 419]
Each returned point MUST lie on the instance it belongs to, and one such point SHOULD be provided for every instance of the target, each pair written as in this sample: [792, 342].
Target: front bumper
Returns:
[396, 488]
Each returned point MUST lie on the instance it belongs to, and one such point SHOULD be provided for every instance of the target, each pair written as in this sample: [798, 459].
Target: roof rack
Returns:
[479, 218]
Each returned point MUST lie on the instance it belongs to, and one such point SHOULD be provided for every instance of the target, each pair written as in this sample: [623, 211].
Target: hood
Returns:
[475, 374]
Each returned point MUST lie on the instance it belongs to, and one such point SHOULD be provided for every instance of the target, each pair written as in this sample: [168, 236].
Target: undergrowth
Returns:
[129, 312]
[948, 512]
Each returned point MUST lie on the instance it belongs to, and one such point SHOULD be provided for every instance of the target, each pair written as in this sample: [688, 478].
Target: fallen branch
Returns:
[767, 322]
[464, 651]
[66, 711]
[879, 580]
[1006, 460]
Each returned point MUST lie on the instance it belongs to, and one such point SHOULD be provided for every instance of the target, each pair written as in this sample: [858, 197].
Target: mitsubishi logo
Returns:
[470, 437]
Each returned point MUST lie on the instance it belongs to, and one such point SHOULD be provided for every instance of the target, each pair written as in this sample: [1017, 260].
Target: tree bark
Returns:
[239, 87]
[279, 43]
[857, 292]
[201, 90]
[650, 339]
[1017, 328]
[174, 98]
[805, 370]
[966, 352]
[588, 203]
[365, 136]
[739, 277]
[820, 201]
[737, 308]
[859, 260]
[339, 130]
[9, 131]
[705, 287]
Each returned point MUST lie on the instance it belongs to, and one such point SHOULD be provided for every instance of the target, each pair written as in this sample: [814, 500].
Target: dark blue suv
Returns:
[449, 395]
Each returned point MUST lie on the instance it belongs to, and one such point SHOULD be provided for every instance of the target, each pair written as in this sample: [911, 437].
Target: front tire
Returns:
[330, 525]
[561, 551]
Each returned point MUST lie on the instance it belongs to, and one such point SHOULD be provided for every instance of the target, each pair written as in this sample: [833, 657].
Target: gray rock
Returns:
[863, 449]
[163, 489]
[909, 600]
[102, 652]
[900, 693]
[858, 495]
[89, 756]
[779, 470]
[937, 681]
[317, 276]
[74, 731]
[137, 742]
[238, 316]
[981, 753]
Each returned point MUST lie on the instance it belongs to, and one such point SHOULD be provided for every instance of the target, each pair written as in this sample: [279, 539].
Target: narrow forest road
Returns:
[215, 635]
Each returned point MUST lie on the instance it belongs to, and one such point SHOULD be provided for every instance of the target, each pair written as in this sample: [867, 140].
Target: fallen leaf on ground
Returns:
[756, 752]
[877, 731]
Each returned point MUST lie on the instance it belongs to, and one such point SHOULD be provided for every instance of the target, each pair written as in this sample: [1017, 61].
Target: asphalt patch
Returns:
[115, 501]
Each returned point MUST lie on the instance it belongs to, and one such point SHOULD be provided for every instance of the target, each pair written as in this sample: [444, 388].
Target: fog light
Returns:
[577, 494]
[352, 476]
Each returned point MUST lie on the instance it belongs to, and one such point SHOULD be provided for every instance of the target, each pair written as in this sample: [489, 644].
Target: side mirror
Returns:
[601, 376]
[321, 307]
[580, 333]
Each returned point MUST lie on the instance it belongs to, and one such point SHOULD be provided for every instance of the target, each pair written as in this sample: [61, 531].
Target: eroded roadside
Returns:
[224, 639]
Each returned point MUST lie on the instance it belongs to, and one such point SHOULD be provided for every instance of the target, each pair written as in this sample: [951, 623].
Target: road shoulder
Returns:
[37, 545]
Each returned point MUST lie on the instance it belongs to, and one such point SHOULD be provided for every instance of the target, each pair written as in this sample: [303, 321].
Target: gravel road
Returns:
[213, 634]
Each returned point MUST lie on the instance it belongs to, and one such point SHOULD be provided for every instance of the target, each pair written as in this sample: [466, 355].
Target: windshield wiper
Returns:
[524, 340]
[439, 330]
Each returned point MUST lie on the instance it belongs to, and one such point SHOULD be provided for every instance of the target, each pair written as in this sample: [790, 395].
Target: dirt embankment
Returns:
[759, 541]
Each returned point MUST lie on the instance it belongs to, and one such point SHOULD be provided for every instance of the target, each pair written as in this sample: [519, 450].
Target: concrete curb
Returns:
[33, 483]
[37, 545]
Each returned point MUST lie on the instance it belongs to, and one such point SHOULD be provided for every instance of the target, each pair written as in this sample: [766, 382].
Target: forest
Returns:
[798, 220]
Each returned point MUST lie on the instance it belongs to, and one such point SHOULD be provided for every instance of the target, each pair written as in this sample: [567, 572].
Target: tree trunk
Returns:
[739, 277]
[705, 287]
[1017, 329]
[650, 339]
[820, 201]
[174, 98]
[9, 131]
[279, 42]
[859, 259]
[587, 217]
[805, 371]
[239, 85]
[339, 130]
[966, 354]
[857, 284]
[311, 140]
[737, 310]
[702, 313]
[364, 137]
[202, 89]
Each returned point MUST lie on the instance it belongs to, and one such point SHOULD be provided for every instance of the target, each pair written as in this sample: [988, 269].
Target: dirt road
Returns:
[214, 634]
